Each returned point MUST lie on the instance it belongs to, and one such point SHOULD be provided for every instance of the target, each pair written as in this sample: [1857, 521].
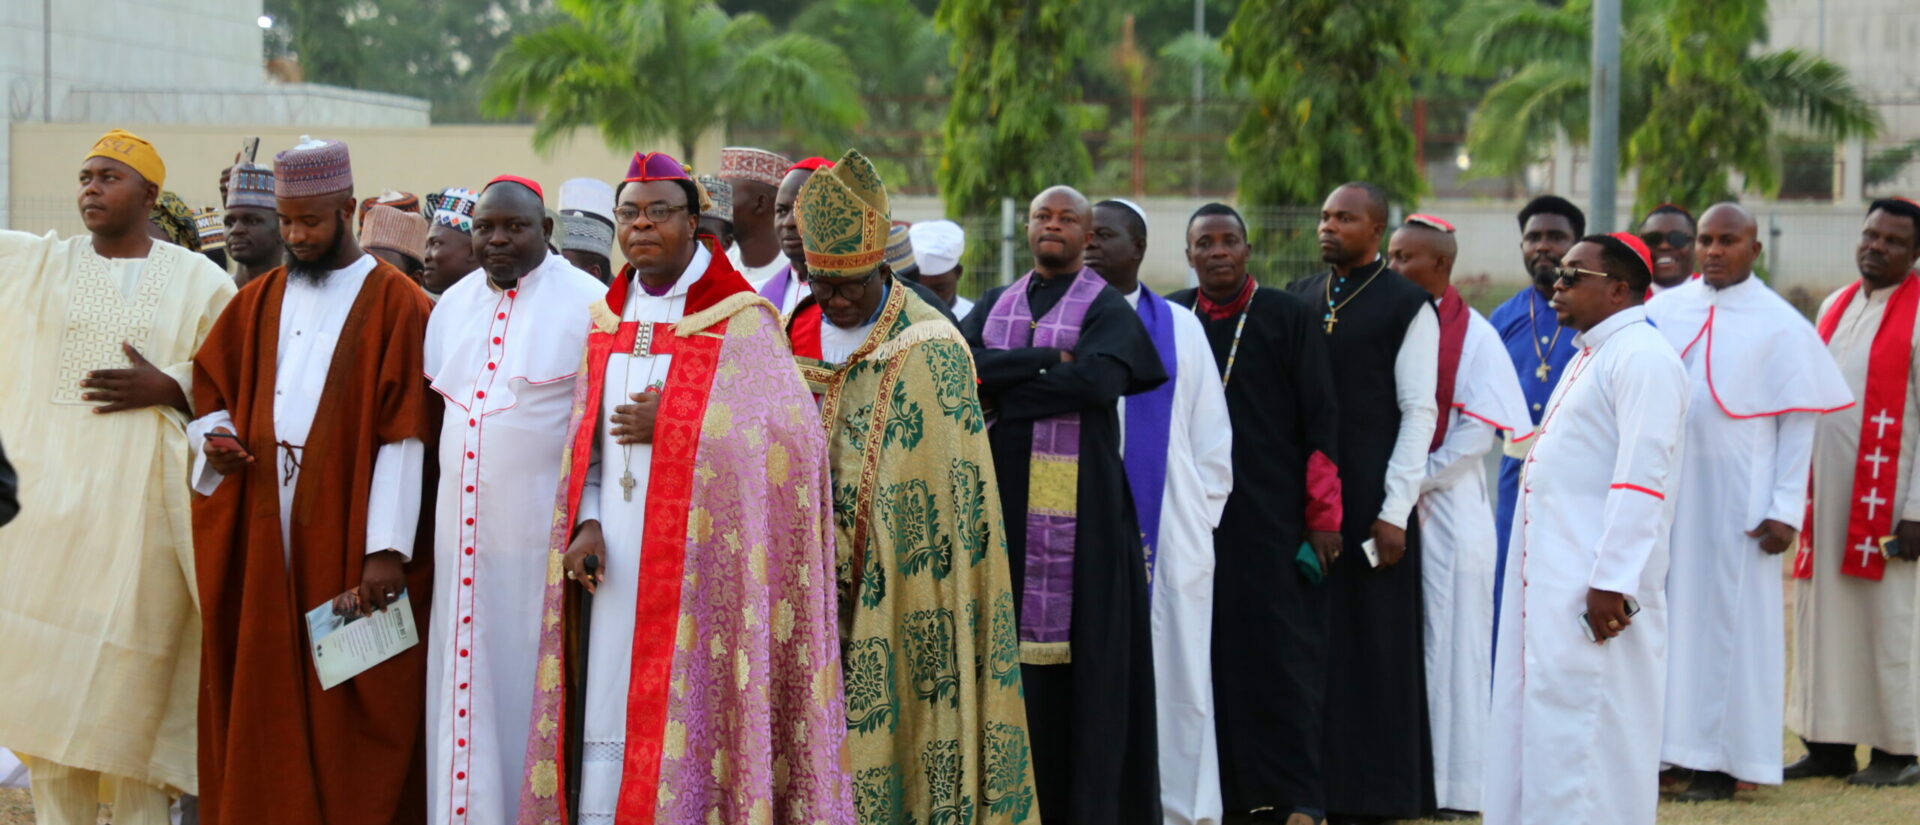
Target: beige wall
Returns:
[46, 156]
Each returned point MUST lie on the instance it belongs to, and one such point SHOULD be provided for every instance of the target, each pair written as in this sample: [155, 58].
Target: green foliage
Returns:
[1010, 129]
[1698, 98]
[432, 49]
[676, 68]
[1329, 88]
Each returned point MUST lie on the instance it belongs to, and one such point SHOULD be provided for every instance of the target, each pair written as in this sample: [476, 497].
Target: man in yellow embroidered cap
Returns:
[101, 672]
[937, 729]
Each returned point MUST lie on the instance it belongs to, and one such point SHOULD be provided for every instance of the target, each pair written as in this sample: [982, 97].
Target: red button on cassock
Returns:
[460, 811]
[462, 742]
[463, 713]
[466, 620]
[491, 365]
[473, 422]
[467, 581]
[463, 654]
[512, 292]
[469, 488]
[502, 316]
[496, 340]
[460, 775]
[469, 521]
[463, 686]
[469, 551]
[469, 455]
[480, 393]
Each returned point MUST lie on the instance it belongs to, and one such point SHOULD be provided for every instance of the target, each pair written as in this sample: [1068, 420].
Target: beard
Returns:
[317, 271]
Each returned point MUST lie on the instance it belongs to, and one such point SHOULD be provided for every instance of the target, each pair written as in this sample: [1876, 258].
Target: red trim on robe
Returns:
[1706, 331]
[1639, 489]
[804, 331]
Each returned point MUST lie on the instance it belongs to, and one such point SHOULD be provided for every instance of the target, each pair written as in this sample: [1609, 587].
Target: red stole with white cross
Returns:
[1884, 409]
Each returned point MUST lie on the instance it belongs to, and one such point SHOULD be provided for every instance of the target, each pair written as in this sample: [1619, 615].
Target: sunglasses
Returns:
[1675, 239]
[1569, 276]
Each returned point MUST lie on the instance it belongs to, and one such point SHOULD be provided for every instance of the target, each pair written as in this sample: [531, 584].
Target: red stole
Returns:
[669, 505]
[1453, 337]
[1883, 411]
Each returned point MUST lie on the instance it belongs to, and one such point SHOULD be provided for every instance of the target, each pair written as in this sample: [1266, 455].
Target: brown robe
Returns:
[274, 747]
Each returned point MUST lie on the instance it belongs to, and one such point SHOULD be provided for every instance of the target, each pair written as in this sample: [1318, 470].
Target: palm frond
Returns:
[1814, 91]
[1519, 115]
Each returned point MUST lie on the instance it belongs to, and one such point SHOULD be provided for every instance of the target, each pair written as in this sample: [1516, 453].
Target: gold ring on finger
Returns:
[1613, 625]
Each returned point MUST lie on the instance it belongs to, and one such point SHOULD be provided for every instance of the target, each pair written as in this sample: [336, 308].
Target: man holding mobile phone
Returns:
[1590, 536]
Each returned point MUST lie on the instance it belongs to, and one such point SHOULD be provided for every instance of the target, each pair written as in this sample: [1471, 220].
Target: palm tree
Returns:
[638, 70]
[1689, 118]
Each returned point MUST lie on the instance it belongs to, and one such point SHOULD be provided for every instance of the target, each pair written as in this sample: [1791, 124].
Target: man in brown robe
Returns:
[312, 444]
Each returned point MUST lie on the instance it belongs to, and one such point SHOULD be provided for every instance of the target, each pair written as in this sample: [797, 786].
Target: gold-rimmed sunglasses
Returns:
[1569, 276]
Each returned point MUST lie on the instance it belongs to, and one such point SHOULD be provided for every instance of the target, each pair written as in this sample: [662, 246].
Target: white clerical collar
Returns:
[1606, 329]
[1133, 298]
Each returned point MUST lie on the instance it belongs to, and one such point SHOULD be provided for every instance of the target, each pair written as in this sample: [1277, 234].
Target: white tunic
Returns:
[1577, 738]
[756, 275]
[1199, 479]
[622, 521]
[504, 361]
[1750, 426]
[1457, 546]
[962, 307]
[1856, 668]
[311, 318]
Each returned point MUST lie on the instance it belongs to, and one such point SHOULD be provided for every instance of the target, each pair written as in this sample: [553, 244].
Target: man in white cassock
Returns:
[1760, 380]
[1177, 445]
[1857, 611]
[1580, 680]
[1478, 394]
[501, 349]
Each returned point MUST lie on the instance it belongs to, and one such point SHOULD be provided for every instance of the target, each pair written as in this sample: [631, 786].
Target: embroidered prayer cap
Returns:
[938, 245]
[132, 150]
[586, 233]
[250, 185]
[590, 195]
[647, 167]
[1430, 222]
[844, 218]
[719, 202]
[530, 183]
[390, 228]
[453, 208]
[175, 218]
[757, 165]
[212, 227]
[403, 201]
[314, 167]
[900, 249]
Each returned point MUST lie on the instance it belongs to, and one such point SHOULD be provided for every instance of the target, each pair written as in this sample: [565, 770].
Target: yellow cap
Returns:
[132, 150]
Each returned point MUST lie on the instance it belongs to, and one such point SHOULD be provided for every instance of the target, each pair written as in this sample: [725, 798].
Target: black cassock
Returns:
[1269, 622]
[1378, 756]
[1092, 721]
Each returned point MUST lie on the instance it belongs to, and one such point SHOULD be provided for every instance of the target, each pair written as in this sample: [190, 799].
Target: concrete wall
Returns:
[170, 44]
[45, 157]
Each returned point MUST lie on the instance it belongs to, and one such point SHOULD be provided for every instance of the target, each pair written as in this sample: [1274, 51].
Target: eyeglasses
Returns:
[1569, 276]
[655, 212]
[1674, 239]
[850, 290]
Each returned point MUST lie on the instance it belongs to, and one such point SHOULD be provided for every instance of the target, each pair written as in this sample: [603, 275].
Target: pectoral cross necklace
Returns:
[1333, 309]
[1533, 334]
[642, 346]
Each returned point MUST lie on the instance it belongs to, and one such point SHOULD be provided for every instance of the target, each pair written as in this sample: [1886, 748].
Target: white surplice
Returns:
[504, 361]
[1760, 377]
[1856, 667]
[1457, 550]
[1199, 479]
[622, 521]
[1576, 736]
[311, 318]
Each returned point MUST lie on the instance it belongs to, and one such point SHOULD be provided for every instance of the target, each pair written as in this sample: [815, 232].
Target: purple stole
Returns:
[1053, 472]
[775, 289]
[1149, 424]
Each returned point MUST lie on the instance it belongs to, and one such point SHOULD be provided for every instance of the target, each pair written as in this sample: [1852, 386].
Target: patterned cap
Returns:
[453, 208]
[175, 218]
[250, 185]
[213, 229]
[315, 167]
[403, 201]
[390, 228]
[586, 233]
[719, 203]
[843, 215]
[590, 195]
[900, 249]
[757, 165]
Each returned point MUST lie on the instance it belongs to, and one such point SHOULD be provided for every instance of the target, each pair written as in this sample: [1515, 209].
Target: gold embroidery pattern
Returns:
[99, 318]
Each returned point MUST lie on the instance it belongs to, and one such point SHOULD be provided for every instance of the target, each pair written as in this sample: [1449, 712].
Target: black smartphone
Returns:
[232, 441]
[1633, 609]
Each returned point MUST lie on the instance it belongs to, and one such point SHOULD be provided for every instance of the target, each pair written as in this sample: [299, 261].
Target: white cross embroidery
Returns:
[1881, 420]
[1876, 458]
[1873, 501]
[1867, 550]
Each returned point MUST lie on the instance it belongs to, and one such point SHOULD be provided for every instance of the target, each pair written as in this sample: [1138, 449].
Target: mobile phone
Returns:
[234, 441]
[250, 148]
[1586, 627]
[1890, 547]
[1373, 553]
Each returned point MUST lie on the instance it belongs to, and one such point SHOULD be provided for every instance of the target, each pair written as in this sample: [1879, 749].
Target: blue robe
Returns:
[1526, 337]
